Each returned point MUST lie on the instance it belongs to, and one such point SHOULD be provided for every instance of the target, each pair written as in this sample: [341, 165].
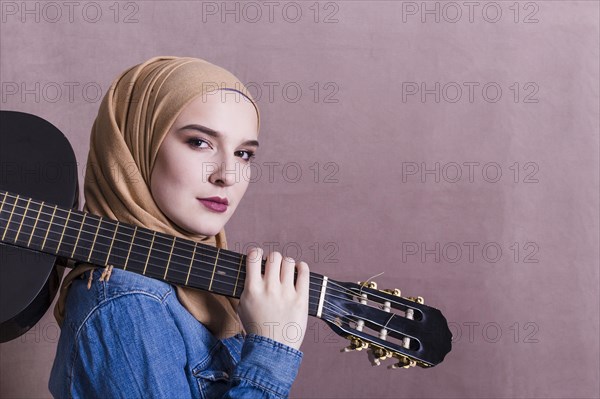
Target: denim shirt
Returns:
[130, 337]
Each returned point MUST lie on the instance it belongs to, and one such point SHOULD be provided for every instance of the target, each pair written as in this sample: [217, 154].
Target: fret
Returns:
[225, 275]
[3, 201]
[53, 236]
[2, 207]
[158, 255]
[237, 278]
[139, 250]
[63, 231]
[22, 220]
[120, 244]
[179, 263]
[95, 237]
[200, 275]
[103, 241]
[214, 268]
[10, 218]
[86, 241]
[149, 252]
[41, 227]
[112, 241]
[73, 220]
[26, 228]
[169, 260]
[130, 246]
[49, 226]
[37, 218]
[191, 263]
[78, 235]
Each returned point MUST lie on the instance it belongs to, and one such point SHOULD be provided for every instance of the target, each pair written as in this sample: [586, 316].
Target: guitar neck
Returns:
[86, 237]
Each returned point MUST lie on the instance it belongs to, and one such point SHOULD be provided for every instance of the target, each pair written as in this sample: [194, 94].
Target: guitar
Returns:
[41, 228]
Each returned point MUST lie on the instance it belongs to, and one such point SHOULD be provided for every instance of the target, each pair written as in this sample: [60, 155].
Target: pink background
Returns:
[526, 324]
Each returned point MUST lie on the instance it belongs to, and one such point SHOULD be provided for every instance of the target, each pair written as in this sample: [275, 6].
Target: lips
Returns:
[215, 204]
[218, 200]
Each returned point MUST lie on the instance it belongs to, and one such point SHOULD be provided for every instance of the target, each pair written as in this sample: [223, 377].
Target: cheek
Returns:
[169, 173]
[240, 188]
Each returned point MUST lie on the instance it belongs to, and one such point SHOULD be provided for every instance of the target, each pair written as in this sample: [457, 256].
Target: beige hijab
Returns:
[134, 117]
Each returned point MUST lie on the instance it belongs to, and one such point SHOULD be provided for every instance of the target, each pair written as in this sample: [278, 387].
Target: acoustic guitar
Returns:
[41, 230]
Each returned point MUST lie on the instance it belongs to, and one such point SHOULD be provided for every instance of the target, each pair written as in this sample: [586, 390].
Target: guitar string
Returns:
[199, 276]
[345, 291]
[372, 321]
[328, 306]
[313, 300]
[186, 242]
[190, 244]
[402, 335]
[389, 347]
[111, 222]
[389, 329]
[341, 289]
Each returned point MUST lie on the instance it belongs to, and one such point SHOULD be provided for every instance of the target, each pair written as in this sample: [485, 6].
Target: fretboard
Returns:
[85, 237]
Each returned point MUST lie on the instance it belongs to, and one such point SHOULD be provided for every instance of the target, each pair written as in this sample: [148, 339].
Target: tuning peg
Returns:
[403, 362]
[418, 299]
[377, 354]
[355, 344]
[394, 292]
[368, 284]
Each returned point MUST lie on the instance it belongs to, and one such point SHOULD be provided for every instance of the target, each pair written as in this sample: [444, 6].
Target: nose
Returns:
[226, 172]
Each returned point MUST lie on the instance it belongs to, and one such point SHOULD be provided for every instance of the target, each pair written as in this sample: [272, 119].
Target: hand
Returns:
[271, 305]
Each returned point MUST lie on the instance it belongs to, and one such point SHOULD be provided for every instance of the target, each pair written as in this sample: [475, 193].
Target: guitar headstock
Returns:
[386, 324]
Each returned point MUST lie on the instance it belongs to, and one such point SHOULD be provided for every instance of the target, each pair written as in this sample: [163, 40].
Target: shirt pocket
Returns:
[212, 383]
[212, 373]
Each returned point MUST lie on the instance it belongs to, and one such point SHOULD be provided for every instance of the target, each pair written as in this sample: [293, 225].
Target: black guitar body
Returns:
[37, 160]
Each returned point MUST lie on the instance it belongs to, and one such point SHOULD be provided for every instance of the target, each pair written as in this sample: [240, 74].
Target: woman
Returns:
[169, 151]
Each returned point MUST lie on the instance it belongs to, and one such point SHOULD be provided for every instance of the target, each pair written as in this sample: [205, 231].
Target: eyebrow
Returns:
[214, 133]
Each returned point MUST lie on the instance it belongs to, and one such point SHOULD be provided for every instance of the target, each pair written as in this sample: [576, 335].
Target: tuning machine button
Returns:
[368, 284]
[418, 299]
[356, 344]
[376, 354]
[394, 292]
[403, 362]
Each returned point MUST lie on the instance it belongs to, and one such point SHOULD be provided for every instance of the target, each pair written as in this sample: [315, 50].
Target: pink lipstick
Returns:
[216, 204]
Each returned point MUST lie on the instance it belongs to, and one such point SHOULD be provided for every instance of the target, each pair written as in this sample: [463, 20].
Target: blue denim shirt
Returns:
[130, 337]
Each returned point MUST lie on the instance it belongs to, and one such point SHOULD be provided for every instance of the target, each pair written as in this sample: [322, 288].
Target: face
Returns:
[206, 154]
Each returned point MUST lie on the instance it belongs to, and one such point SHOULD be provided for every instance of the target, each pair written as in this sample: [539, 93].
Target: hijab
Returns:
[133, 119]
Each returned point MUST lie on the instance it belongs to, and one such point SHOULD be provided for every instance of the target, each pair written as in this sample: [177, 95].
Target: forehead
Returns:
[225, 111]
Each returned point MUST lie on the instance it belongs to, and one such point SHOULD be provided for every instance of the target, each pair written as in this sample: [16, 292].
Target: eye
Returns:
[249, 155]
[197, 142]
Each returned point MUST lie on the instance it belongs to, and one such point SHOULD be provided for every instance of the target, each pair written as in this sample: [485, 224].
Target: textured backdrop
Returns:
[453, 146]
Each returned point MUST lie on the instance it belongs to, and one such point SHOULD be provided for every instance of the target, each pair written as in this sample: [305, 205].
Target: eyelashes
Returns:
[197, 142]
[251, 154]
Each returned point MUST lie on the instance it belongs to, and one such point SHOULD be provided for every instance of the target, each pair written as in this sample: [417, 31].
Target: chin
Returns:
[204, 230]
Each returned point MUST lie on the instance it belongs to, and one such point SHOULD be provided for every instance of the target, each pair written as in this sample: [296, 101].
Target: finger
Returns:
[272, 268]
[303, 279]
[287, 271]
[253, 263]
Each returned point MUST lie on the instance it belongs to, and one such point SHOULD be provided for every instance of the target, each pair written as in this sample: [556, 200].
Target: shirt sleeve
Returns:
[267, 369]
